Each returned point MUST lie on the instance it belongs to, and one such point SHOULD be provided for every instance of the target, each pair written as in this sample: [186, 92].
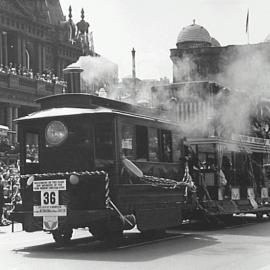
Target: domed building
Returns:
[195, 36]
[198, 56]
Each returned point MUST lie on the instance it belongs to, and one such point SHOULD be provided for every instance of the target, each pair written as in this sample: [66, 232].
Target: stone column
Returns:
[39, 58]
[14, 125]
[9, 122]
[2, 114]
[1, 50]
[19, 50]
[23, 53]
[5, 48]
[43, 57]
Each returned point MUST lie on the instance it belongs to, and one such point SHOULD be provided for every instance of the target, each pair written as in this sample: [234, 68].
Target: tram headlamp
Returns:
[74, 179]
[55, 133]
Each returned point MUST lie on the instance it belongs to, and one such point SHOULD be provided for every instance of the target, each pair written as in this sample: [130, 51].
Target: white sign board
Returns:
[250, 193]
[49, 196]
[264, 193]
[235, 194]
[49, 210]
[127, 144]
[46, 185]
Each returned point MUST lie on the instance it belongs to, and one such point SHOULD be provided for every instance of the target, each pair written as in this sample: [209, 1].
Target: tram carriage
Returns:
[88, 161]
[232, 175]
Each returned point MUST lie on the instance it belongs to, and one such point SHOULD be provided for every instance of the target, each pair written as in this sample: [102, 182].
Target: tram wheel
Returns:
[259, 216]
[62, 237]
[227, 219]
[103, 233]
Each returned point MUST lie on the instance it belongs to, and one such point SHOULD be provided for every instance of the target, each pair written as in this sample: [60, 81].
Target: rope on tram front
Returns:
[63, 174]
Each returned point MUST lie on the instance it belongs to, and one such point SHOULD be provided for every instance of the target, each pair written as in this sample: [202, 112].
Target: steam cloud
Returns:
[97, 72]
[246, 76]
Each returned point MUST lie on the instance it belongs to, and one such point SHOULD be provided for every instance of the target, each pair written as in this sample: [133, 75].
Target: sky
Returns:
[152, 27]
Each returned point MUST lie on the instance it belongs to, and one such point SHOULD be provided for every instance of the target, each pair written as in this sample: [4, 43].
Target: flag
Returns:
[247, 21]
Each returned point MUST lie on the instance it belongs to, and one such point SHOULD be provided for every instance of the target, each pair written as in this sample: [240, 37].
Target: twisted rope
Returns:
[63, 174]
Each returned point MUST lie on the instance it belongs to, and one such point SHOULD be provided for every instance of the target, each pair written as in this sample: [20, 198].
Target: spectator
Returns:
[46, 76]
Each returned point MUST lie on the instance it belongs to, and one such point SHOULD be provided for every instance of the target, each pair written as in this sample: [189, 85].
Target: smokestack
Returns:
[72, 75]
[133, 65]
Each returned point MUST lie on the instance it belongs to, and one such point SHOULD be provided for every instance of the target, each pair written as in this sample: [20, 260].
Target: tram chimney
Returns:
[72, 75]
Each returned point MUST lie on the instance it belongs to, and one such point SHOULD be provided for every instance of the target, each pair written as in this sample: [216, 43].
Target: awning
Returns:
[250, 145]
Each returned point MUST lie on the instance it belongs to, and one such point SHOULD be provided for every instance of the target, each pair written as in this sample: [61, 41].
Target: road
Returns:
[244, 246]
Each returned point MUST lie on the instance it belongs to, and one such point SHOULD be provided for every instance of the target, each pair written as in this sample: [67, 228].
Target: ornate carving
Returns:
[10, 6]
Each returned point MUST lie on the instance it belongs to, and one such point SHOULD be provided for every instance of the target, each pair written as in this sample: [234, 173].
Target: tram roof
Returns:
[69, 111]
[83, 103]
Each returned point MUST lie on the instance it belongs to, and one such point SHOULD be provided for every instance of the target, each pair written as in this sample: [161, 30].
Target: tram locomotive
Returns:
[88, 161]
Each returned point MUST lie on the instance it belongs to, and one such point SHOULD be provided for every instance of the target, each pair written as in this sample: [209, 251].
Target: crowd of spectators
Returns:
[46, 76]
[9, 191]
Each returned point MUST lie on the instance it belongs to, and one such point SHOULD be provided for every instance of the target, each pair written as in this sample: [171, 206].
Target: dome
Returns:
[214, 42]
[194, 33]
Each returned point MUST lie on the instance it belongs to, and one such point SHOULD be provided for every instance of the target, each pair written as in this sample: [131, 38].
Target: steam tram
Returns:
[88, 161]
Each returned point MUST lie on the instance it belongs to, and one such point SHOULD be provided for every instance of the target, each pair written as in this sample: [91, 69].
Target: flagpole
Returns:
[247, 26]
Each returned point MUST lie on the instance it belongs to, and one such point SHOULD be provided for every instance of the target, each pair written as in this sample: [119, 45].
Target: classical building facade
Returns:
[36, 44]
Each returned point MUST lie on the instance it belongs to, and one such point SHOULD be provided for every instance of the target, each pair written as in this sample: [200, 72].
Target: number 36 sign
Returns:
[49, 197]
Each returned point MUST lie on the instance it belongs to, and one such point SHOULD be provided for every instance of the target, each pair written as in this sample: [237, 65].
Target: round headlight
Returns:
[56, 132]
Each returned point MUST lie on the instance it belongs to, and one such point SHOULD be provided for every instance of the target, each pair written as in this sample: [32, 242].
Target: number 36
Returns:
[49, 197]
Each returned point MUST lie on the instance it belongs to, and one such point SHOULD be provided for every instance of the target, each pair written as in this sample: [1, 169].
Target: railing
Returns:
[28, 85]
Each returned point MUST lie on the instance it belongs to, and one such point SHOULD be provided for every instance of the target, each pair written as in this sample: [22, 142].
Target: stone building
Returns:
[36, 44]
[217, 90]
[198, 56]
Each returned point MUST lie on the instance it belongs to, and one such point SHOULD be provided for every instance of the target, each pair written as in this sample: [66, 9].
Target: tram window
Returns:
[166, 146]
[153, 144]
[127, 140]
[141, 143]
[177, 143]
[104, 141]
[31, 147]
[74, 153]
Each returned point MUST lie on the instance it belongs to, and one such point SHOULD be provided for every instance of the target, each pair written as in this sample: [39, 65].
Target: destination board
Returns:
[59, 184]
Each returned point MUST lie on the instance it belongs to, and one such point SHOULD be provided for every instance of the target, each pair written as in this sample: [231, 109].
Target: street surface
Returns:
[237, 246]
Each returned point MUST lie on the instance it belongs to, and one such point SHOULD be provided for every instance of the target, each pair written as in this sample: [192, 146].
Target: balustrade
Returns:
[25, 84]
